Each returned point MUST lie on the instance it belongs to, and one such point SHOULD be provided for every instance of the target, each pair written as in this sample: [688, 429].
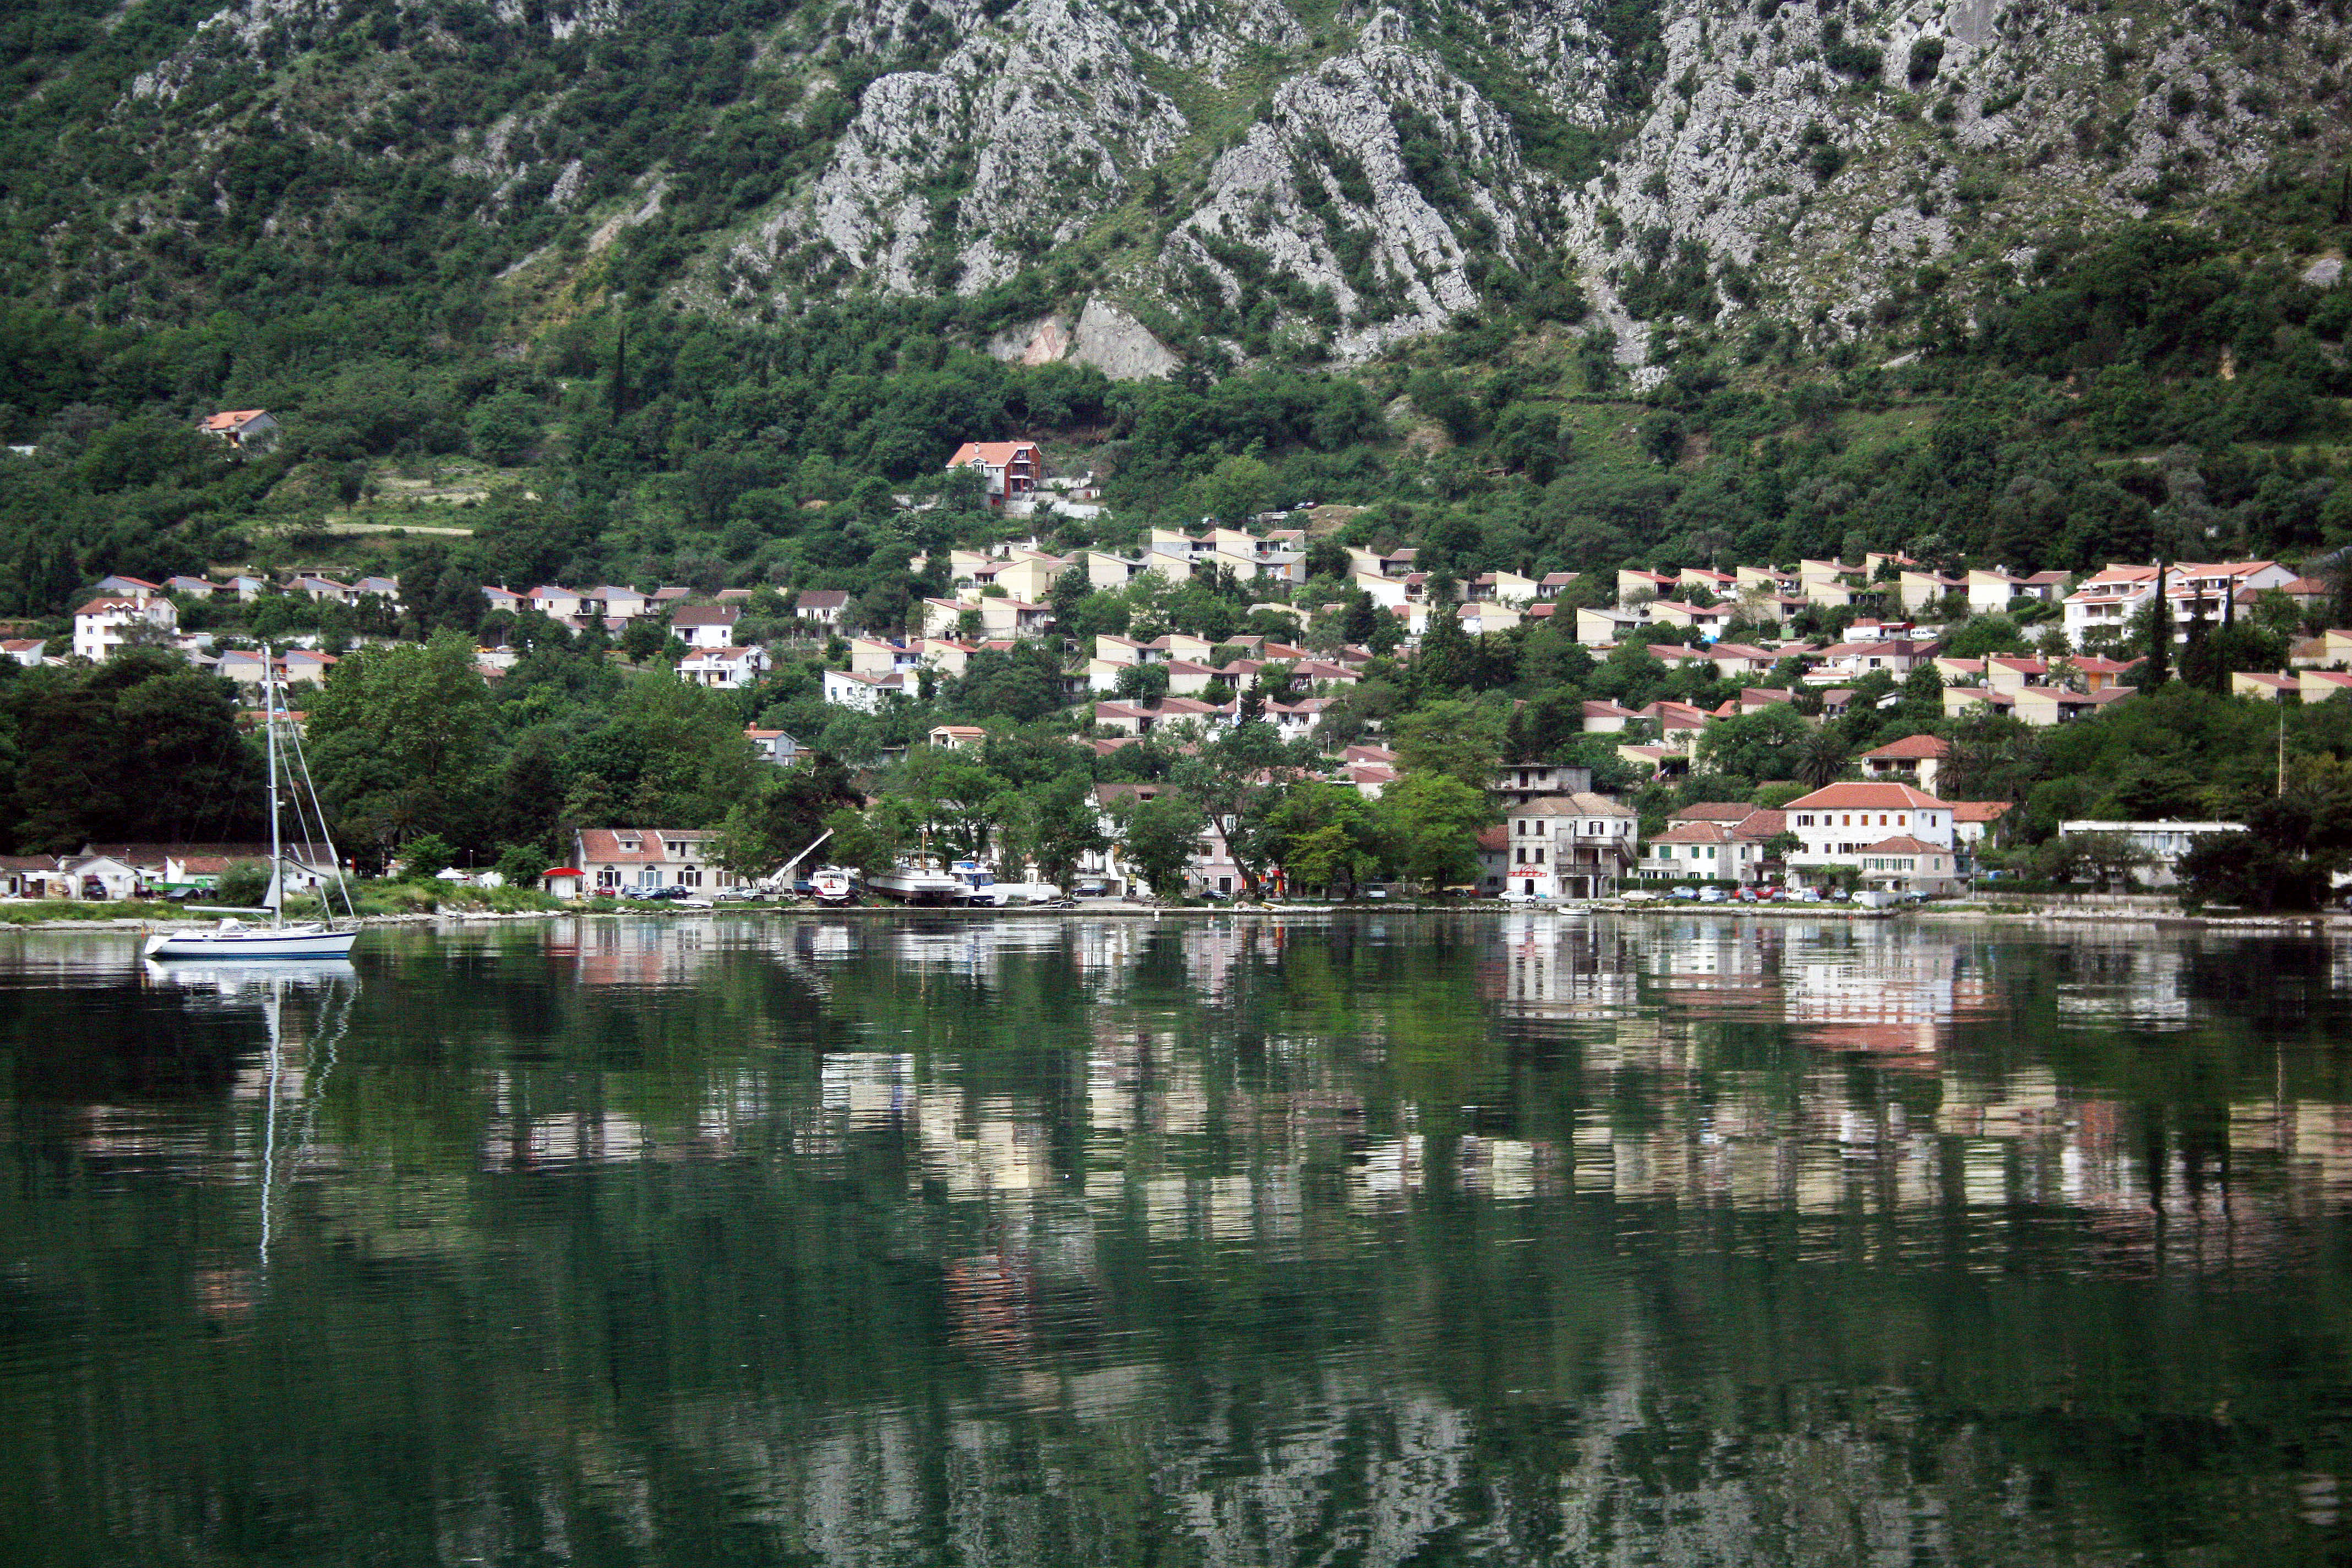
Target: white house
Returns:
[1891, 833]
[2163, 842]
[774, 746]
[729, 668]
[705, 626]
[638, 858]
[1703, 851]
[245, 429]
[865, 693]
[106, 623]
[824, 606]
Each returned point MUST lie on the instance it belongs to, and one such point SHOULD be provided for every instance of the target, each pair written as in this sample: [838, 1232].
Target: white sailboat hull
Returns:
[273, 945]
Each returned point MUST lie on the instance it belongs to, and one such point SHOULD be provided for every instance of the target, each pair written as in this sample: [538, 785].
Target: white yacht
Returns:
[237, 940]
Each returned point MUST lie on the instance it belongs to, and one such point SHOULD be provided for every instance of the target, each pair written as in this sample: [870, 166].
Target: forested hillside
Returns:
[700, 285]
[706, 293]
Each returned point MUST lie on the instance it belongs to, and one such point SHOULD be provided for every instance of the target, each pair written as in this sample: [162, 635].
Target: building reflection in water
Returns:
[1094, 1142]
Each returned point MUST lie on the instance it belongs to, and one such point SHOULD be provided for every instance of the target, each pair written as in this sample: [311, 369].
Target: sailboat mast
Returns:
[276, 897]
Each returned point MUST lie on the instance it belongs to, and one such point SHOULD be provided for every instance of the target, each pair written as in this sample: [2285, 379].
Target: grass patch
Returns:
[43, 909]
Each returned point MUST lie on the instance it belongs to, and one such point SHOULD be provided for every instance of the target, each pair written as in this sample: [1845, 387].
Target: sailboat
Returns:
[236, 941]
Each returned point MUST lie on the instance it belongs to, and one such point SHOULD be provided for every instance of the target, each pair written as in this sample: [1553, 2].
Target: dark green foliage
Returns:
[140, 748]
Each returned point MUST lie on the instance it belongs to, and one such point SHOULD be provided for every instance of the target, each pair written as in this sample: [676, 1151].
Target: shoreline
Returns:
[2007, 914]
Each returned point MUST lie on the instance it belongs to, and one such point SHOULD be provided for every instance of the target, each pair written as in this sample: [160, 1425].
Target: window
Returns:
[690, 877]
[1539, 859]
[608, 876]
[649, 876]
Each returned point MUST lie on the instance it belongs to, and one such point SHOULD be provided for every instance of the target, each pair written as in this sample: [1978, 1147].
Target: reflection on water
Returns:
[1517, 1239]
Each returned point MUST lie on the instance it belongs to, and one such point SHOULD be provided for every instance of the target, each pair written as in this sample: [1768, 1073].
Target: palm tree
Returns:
[1820, 758]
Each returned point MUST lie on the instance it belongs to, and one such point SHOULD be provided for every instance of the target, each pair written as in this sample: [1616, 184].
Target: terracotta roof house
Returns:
[1012, 469]
[240, 427]
[1840, 825]
[1917, 759]
[1706, 850]
[641, 859]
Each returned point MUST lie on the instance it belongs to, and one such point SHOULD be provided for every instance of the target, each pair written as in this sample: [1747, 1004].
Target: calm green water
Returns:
[1499, 1239]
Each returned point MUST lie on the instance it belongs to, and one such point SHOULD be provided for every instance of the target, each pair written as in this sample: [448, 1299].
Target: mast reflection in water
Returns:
[1511, 1238]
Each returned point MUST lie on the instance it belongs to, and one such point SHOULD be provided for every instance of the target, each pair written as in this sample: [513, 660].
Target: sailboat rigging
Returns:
[234, 939]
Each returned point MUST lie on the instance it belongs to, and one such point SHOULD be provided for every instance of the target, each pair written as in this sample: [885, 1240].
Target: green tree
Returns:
[426, 856]
[1157, 838]
[783, 815]
[2294, 847]
[951, 797]
[243, 884]
[1820, 758]
[1447, 661]
[400, 743]
[141, 748]
[1143, 683]
[1432, 821]
[522, 865]
[1761, 746]
[1064, 826]
[1455, 738]
[1325, 835]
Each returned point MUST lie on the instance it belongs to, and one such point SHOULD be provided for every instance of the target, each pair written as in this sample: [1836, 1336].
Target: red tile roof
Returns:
[1864, 797]
[1911, 749]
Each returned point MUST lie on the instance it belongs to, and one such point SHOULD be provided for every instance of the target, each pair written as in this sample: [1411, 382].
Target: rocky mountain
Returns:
[1142, 182]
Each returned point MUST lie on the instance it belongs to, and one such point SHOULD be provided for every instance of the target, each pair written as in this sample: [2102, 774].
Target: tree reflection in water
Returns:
[1510, 1238]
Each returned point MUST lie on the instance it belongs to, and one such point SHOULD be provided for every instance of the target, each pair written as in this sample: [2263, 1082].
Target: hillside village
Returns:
[1281, 648]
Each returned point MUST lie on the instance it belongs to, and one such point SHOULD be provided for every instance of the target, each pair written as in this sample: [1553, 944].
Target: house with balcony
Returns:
[705, 626]
[1009, 469]
[1578, 845]
[867, 693]
[108, 622]
[726, 668]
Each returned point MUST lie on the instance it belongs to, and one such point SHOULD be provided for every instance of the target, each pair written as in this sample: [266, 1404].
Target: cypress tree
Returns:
[2159, 632]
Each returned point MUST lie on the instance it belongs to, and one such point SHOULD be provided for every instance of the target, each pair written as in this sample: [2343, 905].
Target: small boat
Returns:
[235, 940]
[831, 885]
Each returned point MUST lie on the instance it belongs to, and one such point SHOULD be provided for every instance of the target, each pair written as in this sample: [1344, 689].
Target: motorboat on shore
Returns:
[831, 885]
[236, 941]
[917, 882]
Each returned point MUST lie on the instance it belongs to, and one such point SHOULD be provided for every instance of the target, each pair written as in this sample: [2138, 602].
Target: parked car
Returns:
[1090, 887]
[1640, 896]
[1710, 895]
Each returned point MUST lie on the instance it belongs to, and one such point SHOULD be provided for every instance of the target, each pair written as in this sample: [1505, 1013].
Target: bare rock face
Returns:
[954, 178]
[1317, 183]
[1369, 183]
[1101, 335]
